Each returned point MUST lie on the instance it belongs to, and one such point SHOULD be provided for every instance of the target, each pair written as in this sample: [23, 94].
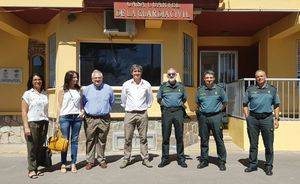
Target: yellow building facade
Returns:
[272, 42]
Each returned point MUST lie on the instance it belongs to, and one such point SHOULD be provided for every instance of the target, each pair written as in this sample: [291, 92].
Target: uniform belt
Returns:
[138, 112]
[210, 114]
[172, 108]
[98, 116]
[260, 115]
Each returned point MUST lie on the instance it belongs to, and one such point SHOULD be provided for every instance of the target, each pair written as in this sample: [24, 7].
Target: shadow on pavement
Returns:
[211, 160]
[245, 162]
[173, 157]
[138, 158]
[80, 165]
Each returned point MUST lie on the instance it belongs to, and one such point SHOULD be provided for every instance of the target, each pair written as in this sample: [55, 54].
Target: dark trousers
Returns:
[212, 123]
[266, 127]
[175, 117]
[35, 142]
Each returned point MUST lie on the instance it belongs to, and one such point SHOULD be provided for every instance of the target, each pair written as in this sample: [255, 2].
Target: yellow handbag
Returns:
[58, 142]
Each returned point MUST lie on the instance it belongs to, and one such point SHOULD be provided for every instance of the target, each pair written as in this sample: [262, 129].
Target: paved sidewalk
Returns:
[286, 171]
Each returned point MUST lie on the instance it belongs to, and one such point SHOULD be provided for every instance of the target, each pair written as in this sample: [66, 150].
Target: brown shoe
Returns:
[89, 166]
[103, 165]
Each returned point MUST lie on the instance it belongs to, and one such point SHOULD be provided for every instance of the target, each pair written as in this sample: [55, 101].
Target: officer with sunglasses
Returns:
[171, 96]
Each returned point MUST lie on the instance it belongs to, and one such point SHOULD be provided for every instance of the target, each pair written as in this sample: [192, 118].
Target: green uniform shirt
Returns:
[211, 99]
[260, 100]
[171, 95]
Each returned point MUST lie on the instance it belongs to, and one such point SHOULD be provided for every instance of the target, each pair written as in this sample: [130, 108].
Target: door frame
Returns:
[218, 51]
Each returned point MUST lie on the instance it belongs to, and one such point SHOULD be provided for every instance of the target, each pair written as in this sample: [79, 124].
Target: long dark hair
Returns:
[68, 78]
[30, 85]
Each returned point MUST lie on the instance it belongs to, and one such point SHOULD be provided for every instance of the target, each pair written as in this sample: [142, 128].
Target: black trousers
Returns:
[175, 117]
[266, 127]
[212, 123]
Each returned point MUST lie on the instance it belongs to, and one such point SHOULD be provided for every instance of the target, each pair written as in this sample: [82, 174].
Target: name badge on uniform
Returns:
[216, 93]
[269, 91]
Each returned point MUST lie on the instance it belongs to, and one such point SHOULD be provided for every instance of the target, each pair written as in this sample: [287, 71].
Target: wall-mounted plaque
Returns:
[10, 75]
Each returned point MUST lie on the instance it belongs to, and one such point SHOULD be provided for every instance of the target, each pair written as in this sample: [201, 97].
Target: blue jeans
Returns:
[70, 122]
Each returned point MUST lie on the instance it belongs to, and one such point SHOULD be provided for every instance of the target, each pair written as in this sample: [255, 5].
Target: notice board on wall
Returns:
[10, 75]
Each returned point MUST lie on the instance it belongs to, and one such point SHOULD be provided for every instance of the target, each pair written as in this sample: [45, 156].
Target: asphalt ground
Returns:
[13, 169]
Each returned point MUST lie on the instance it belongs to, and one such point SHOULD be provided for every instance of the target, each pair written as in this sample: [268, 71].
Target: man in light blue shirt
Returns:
[97, 100]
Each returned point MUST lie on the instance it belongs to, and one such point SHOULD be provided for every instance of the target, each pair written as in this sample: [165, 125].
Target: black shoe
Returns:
[269, 171]
[222, 167]
[182, 164]
[250, 169]
[202, 164]
[163, 163]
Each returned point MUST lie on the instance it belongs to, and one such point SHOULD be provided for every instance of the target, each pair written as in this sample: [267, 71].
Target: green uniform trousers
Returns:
[35, 142]
[266, 127]
[172, 116]
[212, 123]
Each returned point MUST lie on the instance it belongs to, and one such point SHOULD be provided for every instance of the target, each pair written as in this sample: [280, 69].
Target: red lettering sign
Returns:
[153, 10]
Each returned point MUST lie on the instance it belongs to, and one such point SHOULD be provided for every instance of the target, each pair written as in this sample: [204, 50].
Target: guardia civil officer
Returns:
[257, 107]
[211, 100]
[171, 96]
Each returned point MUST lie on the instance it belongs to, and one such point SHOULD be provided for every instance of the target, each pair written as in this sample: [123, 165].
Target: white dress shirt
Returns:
[136, 97]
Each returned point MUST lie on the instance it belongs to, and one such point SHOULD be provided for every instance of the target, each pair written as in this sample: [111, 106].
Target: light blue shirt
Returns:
[97, 101]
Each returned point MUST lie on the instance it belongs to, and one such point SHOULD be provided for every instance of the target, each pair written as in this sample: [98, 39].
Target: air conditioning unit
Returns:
[117, 27]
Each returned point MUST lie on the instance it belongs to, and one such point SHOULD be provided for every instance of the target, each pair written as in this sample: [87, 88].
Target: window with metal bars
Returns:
[298, 58]
[52, 59]
[188, 60]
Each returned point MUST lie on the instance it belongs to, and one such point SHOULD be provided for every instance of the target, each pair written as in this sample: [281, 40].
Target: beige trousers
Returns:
[96, 130]
[140, 121]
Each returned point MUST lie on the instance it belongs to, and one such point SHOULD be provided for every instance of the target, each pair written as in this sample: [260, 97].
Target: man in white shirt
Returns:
[136, 98]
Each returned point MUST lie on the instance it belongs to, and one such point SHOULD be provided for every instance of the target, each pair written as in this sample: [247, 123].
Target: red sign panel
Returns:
[154, 10]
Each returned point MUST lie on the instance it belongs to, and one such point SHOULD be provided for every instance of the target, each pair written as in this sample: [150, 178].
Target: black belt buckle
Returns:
[138, 112]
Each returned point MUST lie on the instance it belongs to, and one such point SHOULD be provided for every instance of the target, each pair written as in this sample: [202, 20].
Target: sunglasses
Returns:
[171, 74]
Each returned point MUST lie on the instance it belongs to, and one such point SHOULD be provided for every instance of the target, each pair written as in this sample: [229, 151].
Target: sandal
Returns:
[32, 175]
[63, 168]
[73, 168]
[39, 173]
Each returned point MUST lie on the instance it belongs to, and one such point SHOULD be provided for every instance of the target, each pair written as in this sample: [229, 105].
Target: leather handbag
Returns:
[58, 142]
